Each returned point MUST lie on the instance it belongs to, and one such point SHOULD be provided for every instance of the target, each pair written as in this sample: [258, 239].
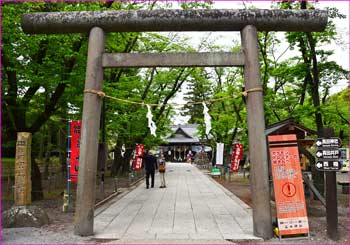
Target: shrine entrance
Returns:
[247, 21]
[182, 144]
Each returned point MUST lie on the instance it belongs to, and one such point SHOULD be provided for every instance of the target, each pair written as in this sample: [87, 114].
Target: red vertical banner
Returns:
[236, 157]
[75, 130]
[288, 185]
[138, 160]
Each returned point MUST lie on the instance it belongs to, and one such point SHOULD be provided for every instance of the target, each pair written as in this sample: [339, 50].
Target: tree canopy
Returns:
[43, 80]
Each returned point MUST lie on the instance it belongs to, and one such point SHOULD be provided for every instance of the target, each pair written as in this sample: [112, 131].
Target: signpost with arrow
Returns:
[328, 154]
[328, 142]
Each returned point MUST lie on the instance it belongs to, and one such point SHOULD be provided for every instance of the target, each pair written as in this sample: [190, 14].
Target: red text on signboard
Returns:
[75, 129]
[138, 160]
[236, 157]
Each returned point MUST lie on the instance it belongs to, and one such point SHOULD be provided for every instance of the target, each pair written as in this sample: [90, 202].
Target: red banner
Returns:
[138, 160]
[288, 185]
[75, 131]
[236, 157]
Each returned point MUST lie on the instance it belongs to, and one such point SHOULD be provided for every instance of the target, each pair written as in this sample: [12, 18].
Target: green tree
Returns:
[302, 83]
[42, 73]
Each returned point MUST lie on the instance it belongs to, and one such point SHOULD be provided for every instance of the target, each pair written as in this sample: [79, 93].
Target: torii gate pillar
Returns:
[84, 212]
[256, 134]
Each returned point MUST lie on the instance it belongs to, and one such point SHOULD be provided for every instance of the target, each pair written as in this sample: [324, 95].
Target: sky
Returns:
[226, 40]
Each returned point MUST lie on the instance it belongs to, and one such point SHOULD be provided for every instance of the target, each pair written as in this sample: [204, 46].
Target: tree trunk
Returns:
[37, 190]
[116, 163]
[41, 144]
[47, 153]
[62, 145]
[125, 168]
[317, 175]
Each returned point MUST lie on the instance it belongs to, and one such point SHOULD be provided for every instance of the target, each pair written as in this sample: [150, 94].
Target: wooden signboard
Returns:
[288, 185]
[23, 183]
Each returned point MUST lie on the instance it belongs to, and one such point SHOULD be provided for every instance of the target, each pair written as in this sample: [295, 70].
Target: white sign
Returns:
[328, 142]
[219, 153]
[328, 154]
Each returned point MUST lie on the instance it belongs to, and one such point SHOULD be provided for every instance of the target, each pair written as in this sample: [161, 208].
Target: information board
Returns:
[288, 185]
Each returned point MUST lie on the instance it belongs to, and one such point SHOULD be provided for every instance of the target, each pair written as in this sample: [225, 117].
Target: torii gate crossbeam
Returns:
[175, 20]
[247, 21]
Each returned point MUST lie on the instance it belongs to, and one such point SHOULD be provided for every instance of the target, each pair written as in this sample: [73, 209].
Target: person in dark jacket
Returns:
[150, 162]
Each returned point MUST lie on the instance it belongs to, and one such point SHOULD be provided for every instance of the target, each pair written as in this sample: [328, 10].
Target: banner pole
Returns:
[133, 164]
[68, 165]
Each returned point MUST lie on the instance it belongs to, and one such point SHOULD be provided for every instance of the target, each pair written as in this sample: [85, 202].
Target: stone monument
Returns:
[23, 183]
[23, 214]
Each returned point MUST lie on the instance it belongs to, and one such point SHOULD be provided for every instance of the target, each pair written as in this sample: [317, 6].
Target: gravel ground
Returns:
[60, 229]
[30, 235]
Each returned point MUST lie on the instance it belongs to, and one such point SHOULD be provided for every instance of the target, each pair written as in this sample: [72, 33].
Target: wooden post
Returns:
[84, 212]
[256, 132]
[331, 196]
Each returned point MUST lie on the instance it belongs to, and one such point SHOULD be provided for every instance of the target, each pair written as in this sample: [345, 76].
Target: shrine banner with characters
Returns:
[288, 185]
[138, 160]
[236, 157]
[75, 131]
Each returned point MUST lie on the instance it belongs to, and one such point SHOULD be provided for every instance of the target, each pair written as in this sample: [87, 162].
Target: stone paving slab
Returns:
[171, 241]
[193, 207]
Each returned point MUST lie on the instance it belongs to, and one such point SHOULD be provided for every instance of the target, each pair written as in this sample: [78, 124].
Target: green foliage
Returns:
[196, 4]
[336, 113]
[7, 162]
[44, 66]
[299, 86]
[36, 68]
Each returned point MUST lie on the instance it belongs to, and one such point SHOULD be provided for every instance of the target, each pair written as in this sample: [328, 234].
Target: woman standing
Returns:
[162, 171]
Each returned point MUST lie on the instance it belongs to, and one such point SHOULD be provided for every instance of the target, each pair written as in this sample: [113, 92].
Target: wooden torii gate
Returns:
[247, 21]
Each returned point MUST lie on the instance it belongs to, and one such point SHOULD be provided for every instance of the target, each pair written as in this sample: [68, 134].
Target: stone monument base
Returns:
[24, 216]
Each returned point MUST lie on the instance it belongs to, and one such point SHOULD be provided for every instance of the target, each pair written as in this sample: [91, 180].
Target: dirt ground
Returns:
[316, 215]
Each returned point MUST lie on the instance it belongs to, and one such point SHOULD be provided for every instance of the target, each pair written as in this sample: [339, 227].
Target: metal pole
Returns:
[68, 166]
[256, 133]
[331, 196]
[133, 163]
[84, 213]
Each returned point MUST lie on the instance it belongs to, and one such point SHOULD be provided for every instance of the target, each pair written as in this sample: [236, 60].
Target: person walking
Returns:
[150, 162]
[162, 171]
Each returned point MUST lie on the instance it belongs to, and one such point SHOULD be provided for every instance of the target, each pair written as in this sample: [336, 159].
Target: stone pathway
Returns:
[193, 207]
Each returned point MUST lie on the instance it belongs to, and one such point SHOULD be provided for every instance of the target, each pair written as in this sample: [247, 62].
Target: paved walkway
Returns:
[192, 207]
